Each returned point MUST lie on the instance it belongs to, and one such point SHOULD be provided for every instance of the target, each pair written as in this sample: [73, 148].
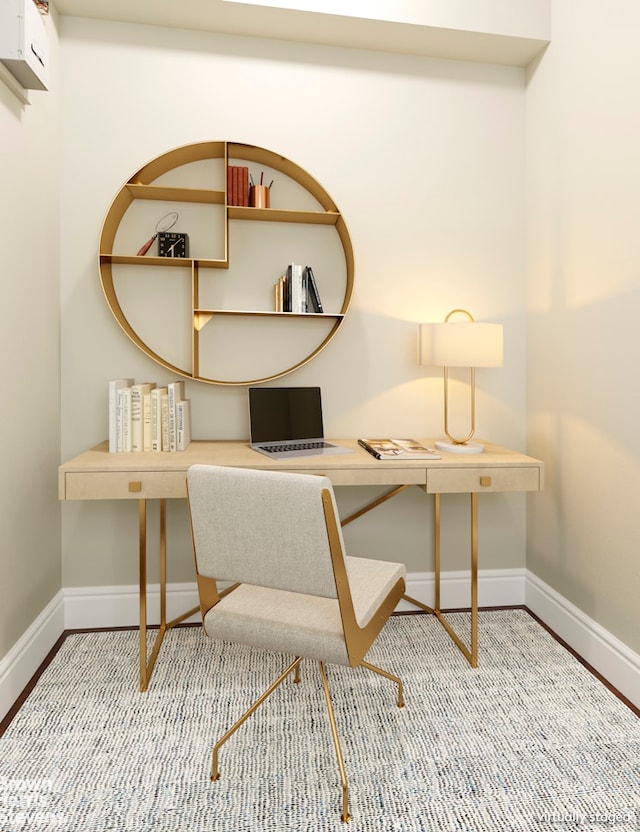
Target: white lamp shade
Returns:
[460, 344]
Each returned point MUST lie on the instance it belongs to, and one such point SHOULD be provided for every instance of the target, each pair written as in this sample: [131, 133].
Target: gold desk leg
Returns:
[474, 579]
[436, 547]
[163, 563]
[142, 581]
[436, 563]
[369, 507]
[147, 663]
[471, 655]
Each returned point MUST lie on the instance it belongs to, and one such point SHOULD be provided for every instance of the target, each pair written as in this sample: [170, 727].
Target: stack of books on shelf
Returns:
[237, 185]
[145, 417]
[297, 291]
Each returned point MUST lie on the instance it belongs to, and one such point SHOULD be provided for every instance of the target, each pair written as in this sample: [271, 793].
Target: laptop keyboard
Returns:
[297, 446]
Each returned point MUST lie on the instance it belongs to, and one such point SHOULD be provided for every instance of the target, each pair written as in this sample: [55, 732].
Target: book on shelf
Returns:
[115, 385]
[124, 419]
[183, 427]
[138, 392]
[164, 420]
[237, 185]
[398, 449]
[278, 294]
[176, 394]
[286, 292]
[314, 304]
[295, 292]
[147, 421]
[156, 418]
[244, 185]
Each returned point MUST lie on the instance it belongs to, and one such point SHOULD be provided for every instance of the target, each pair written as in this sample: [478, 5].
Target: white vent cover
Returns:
[24, 44]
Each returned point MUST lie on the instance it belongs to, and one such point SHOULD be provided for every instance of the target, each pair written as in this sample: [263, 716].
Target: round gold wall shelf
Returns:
[194, 181]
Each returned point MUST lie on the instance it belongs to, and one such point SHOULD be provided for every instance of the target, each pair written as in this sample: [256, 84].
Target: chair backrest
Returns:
[265, 528]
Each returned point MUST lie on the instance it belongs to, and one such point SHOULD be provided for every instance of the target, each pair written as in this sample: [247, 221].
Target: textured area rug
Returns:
[529, 740]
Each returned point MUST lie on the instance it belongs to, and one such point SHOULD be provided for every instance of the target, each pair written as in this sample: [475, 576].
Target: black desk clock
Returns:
[173, 244]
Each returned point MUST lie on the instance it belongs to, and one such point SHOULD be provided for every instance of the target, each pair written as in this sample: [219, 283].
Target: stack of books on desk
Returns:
[145, 417]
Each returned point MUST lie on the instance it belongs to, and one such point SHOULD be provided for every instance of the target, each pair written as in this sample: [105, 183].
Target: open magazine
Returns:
[398, 449]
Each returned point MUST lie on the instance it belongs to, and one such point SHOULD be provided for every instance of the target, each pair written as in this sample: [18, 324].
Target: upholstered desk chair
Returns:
[276, 538]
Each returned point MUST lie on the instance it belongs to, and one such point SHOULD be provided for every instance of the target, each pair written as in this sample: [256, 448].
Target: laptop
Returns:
[286, 422]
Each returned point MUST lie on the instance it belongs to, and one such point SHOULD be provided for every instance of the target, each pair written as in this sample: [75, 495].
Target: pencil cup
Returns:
[259, 196]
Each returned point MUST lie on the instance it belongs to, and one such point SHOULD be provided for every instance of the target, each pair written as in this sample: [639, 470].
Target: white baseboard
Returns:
[27, 654]
[118, 606]
[616, 662]
[496, 588]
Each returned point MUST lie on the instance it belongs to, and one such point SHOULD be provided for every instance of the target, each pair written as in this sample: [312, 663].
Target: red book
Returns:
[235, 186]
[229, 185]
[244, 197]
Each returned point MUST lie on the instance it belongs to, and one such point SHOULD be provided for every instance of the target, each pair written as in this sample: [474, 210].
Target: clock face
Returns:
[173, 244]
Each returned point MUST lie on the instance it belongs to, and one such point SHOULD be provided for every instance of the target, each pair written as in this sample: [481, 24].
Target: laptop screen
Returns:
[281, 414]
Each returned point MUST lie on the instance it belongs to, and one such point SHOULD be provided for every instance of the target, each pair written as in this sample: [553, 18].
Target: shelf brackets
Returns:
[201, 319]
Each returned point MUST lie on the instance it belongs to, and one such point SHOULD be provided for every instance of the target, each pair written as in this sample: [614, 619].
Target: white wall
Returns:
[29, 332]
[425, 159]
[583, 173]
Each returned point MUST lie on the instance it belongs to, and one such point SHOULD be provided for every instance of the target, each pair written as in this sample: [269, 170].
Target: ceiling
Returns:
[311, 27]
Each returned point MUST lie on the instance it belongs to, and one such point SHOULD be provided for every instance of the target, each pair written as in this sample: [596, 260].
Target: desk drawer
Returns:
[123, 485]
[376, 476]
[466, 480]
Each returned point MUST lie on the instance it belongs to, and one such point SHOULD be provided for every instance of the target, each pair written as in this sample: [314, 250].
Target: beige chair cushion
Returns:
[301, 625]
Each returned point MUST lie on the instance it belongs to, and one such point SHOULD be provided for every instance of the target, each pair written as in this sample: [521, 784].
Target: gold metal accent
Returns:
[373, 504]
[358, 639]
[215, 773]
[472, 390]
[200, 319]
[419, 604]
[147, 661]
[135, 487]
[345, 816]
[141, 187]
[294, 668]
[470, 654]
[389, 676]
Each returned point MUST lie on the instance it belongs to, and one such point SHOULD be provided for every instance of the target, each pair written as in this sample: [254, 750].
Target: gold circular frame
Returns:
[140, 186]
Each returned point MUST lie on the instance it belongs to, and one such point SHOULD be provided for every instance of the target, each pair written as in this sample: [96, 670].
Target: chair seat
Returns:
[301, 625]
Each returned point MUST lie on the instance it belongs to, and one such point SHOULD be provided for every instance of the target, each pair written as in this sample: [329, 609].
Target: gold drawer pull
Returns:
[485, 481]
[135, 486]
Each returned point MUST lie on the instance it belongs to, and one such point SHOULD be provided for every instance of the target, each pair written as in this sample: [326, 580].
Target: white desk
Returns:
[98, 475]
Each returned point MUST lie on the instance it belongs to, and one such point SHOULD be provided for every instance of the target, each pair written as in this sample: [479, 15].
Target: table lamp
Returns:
[460, 343]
